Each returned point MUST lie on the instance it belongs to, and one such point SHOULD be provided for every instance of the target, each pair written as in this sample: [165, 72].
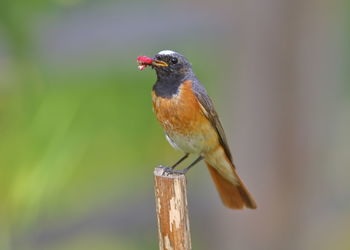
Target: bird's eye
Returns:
[174, 60]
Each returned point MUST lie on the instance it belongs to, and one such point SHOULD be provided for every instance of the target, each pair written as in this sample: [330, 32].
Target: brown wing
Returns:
[208, 110]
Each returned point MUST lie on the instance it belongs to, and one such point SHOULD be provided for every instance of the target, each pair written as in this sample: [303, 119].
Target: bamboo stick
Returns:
[172, 211]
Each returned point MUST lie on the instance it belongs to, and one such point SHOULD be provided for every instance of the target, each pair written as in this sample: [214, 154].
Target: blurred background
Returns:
[79, 141]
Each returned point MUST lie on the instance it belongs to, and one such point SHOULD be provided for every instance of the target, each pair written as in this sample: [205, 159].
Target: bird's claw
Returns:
[168, 171]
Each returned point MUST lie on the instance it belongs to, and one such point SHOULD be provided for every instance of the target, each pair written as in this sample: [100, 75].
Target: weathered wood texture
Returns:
[172, 212]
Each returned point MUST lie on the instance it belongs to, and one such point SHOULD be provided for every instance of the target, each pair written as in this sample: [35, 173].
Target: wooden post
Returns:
[172, 212]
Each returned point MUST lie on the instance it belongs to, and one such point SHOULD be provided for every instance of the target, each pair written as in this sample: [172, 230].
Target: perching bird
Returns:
[191, 124]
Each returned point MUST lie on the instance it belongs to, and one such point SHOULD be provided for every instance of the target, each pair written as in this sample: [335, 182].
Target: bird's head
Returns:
[167, 63]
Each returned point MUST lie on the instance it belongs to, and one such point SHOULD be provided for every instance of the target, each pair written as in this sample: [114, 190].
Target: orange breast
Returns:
[181, 113]
[184, 121]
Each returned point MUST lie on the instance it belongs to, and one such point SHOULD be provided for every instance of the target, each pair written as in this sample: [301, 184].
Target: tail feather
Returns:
[235, 196]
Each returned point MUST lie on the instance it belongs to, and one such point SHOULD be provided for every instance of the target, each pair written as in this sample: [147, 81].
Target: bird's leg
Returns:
[184, 171]
[179, 161]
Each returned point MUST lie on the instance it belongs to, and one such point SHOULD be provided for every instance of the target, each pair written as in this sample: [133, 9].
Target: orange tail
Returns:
[235, 196]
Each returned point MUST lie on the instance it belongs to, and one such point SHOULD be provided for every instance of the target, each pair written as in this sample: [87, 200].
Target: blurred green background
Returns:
[79, 141]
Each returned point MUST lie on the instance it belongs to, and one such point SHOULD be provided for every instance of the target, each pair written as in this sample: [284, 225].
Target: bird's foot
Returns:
[168, 171]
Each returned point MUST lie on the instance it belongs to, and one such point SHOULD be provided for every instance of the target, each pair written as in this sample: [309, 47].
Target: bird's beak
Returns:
[159, 63]
[145, 61]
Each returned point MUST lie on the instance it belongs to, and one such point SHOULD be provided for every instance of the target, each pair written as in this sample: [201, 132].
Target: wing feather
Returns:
[208, 110]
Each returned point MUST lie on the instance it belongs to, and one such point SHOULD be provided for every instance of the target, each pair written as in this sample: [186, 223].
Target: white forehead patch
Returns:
[166, 52]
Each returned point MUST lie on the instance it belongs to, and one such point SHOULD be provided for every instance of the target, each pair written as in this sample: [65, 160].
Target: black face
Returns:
[172, 70]
[177, 64]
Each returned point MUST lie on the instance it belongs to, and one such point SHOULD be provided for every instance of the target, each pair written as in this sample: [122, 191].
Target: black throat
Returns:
[168, 85]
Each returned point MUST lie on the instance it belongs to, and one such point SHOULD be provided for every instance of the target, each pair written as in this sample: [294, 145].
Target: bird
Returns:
[191, 124]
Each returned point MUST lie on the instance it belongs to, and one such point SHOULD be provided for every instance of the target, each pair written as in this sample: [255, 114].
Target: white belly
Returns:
[194, 144]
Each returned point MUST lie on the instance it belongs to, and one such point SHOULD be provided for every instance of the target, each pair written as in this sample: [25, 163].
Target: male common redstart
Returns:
[191, 124]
